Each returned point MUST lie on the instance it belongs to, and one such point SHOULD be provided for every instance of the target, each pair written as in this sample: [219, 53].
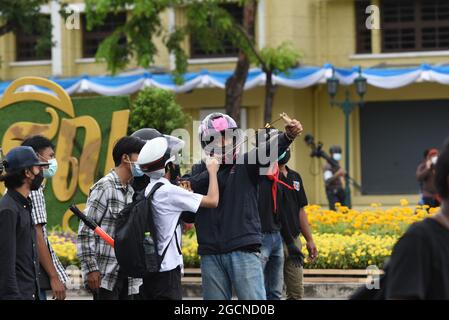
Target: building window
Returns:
[229, 50]
[93, 38]
[363, 34]
[26, 46]
[414, 25]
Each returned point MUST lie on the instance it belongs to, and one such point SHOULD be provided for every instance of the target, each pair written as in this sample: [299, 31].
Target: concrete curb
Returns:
[311, 291]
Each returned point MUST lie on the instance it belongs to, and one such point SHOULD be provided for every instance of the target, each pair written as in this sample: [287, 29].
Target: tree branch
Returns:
[6, 28]
[251, 46]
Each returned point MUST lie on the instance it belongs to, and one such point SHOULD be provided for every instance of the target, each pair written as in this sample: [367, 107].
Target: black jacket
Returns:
[19, 266]
[235, 223]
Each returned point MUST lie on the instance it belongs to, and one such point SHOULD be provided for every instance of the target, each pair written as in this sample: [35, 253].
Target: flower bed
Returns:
[375, 220]
[64, 245]
[346, 238]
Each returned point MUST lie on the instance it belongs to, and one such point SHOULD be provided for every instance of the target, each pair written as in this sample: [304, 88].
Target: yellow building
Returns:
[325, 31]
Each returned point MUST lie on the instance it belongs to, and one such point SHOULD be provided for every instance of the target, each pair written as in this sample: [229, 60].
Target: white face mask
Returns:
[156, 174]
[434, 160]
[336, 156]
[52, 168]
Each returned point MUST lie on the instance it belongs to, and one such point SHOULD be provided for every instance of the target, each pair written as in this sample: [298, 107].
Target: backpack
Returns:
[135, 241]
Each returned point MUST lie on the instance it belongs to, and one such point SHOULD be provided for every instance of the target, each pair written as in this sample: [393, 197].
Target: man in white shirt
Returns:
[168, 202]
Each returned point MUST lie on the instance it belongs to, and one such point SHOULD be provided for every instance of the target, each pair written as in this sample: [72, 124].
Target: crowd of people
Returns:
[247, 223]
[242, 235]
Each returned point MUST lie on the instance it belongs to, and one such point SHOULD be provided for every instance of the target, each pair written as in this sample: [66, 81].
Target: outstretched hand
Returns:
[293, 128]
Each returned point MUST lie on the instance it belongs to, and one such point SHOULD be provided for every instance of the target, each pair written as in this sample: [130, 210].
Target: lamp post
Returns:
[346, 106]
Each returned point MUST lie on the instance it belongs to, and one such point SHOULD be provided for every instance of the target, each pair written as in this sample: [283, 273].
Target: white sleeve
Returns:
[327, 175]
[184, 200]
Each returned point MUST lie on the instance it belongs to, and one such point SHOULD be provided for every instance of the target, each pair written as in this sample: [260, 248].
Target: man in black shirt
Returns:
[294, 222]
[272, 249]
[19, 265]
[229, 237]
[419, 265]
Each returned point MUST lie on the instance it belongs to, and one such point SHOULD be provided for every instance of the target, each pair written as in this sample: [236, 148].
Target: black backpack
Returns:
[135, 241]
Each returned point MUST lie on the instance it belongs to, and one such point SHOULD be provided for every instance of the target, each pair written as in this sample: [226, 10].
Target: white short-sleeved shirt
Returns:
[169, 201]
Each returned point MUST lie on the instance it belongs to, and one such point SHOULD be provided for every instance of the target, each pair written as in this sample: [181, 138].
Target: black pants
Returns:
[120, 291]
[162, 285]
[335, 195]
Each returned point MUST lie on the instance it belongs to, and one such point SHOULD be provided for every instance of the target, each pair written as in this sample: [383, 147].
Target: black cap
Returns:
[335, 149]
[21, 158]
[147, 134]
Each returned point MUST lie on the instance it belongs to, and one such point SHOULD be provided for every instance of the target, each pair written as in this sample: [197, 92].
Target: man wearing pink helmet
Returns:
[229, 236]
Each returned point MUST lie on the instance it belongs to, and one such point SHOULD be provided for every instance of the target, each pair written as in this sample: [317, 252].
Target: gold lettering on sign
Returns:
[119, 127]
[19, 131]
[70, 172]
[69, 215]
[77, 164]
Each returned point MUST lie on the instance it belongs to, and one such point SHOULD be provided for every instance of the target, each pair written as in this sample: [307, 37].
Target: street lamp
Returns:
[347, 106]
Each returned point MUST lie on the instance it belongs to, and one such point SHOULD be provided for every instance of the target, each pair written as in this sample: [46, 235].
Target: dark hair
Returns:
[13, 180]
[426, 153]
[442, 172]
[126, 145]
[38, 143]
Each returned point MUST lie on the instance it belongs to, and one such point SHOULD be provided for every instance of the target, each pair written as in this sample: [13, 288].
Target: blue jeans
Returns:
[42, 295]
[272, 253]
[239, 270]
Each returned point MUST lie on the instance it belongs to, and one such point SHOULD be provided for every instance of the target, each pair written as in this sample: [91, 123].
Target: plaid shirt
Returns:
[39, 216]
[106, 199]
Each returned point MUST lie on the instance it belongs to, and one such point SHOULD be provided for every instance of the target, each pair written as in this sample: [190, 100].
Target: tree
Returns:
[206, 19]
[273, 61]
[24, 15]
[156, 108]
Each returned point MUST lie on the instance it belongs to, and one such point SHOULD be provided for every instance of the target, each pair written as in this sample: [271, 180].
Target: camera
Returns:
[317, 151]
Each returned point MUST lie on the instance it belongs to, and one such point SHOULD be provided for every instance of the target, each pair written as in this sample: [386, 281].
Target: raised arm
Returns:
[211, 199]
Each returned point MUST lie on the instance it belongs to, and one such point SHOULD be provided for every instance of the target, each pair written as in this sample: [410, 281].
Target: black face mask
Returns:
[37, 181]
[285, 159]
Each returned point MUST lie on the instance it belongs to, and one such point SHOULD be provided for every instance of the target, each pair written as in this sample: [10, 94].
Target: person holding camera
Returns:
[425, 174]
[334, 179]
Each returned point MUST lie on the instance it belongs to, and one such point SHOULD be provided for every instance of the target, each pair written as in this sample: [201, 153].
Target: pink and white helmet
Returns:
[217, 125]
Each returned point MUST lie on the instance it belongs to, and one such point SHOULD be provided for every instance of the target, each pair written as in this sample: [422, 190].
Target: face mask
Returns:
[52, 168]
[336, 156]
[37, 181]
[156, 174]
[434, 160]
[283, 159]
[136, 171]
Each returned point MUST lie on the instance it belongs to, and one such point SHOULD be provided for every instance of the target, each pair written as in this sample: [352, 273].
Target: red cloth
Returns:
[273, 174]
